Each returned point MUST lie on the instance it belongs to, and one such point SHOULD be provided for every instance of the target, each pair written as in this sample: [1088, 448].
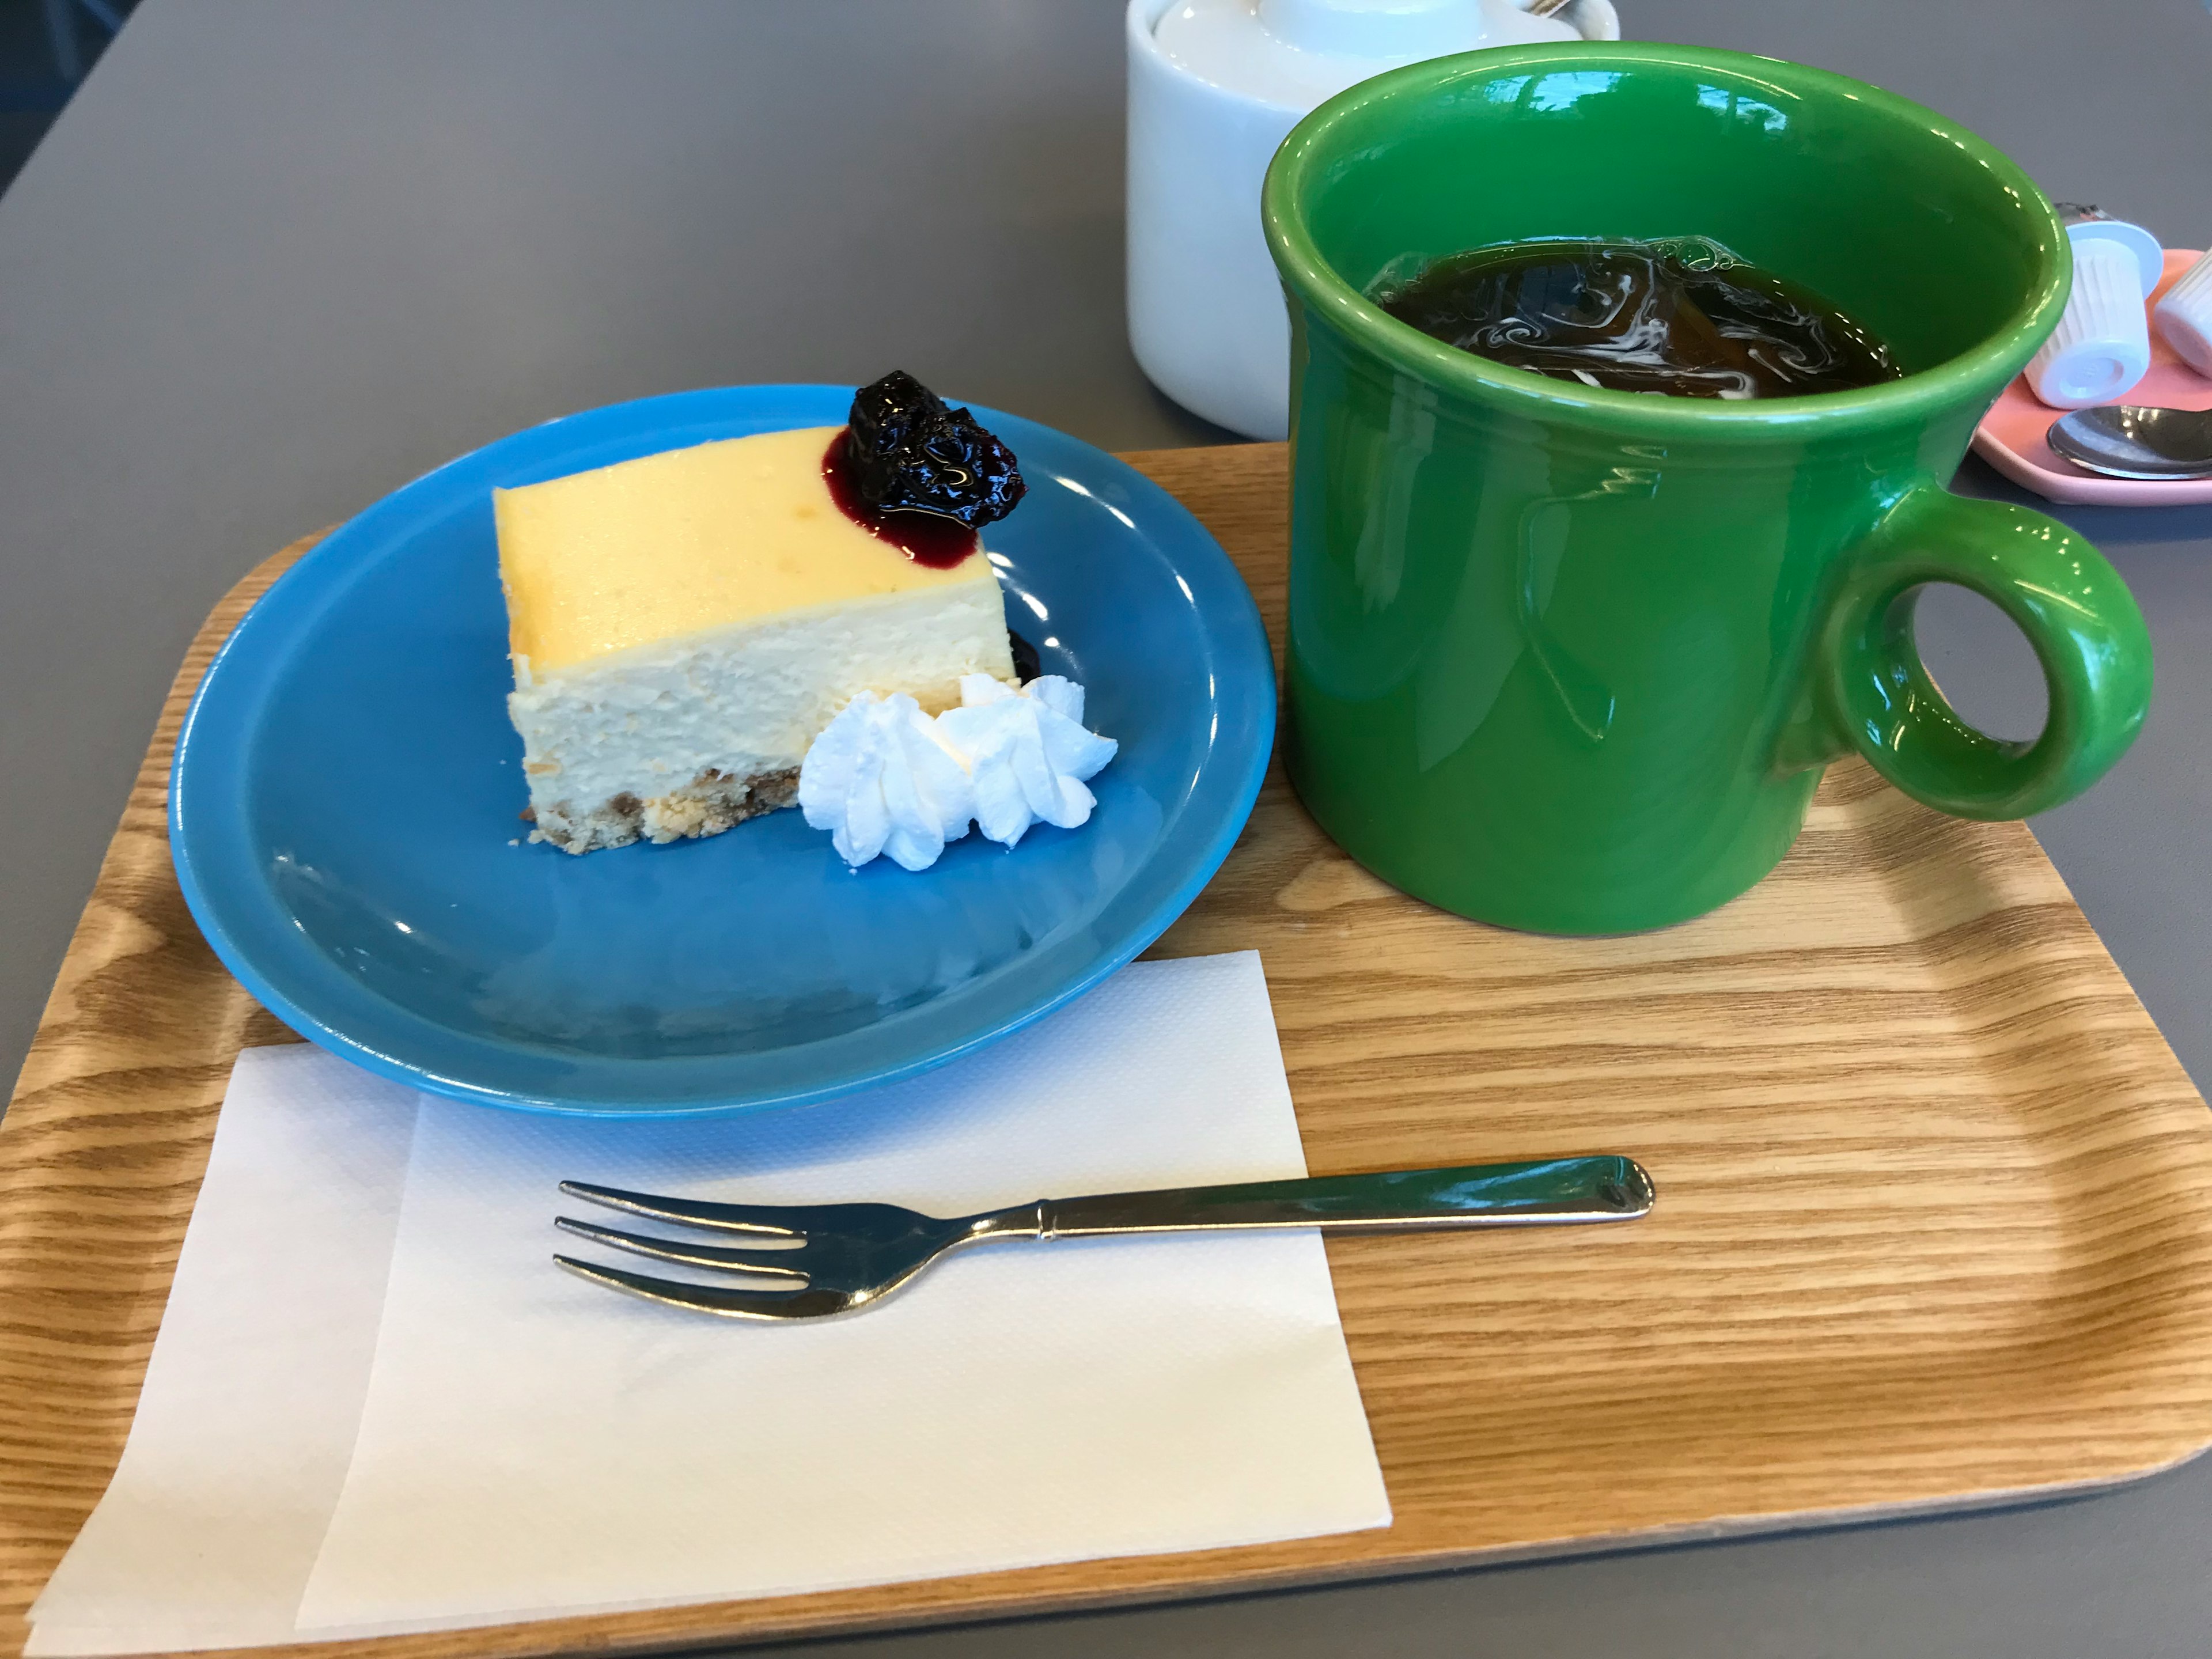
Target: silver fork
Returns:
[832, 1259]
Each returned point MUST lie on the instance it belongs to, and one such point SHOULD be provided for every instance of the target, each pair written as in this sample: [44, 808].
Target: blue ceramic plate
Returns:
[344, 810]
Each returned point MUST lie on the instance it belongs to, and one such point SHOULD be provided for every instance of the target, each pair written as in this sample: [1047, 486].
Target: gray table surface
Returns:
[281, 256]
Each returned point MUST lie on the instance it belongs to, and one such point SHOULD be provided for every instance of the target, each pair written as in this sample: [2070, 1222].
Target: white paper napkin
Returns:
[254, 1390]
[530, 1445]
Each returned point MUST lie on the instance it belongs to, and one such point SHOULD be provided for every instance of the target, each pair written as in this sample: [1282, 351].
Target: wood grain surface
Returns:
[1934, 1226]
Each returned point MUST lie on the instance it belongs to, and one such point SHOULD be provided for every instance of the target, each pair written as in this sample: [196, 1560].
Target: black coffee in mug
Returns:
[1684, 317]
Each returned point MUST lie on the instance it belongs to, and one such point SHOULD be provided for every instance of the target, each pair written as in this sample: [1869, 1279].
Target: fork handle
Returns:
[1607, 1187]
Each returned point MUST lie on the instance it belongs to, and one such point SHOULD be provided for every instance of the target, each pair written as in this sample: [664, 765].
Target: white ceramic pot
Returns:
[1206, 317]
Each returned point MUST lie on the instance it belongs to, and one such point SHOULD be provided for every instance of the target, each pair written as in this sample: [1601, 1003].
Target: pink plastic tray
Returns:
[2010, 436]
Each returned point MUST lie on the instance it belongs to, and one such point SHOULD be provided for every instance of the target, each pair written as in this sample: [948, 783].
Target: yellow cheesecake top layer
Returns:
[687, 540]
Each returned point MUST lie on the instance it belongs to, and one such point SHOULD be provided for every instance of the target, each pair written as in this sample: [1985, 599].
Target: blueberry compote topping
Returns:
[922, 476]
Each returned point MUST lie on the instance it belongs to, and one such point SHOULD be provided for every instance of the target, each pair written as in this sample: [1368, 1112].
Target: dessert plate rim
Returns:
[211, 831]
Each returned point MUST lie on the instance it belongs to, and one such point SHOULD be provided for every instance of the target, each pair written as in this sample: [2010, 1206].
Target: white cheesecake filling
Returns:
[638, 734]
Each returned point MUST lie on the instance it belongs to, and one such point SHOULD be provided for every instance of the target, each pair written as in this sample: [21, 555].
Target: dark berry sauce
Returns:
[918, 473]
[925, 539]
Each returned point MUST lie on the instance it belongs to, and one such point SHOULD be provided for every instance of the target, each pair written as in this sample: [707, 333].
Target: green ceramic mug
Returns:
[1573, 660]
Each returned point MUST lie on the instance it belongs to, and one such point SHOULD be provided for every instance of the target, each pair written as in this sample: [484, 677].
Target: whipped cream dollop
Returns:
[880, 780]
[884, 777]
[1028, 754]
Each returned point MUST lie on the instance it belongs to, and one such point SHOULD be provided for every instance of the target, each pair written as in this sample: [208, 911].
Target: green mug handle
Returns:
[2057, 589]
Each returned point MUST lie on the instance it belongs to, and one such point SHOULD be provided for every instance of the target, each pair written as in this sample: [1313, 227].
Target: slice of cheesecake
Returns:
[682, 625]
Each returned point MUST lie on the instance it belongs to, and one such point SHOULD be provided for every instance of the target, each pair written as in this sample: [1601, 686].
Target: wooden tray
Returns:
[1934, 1228]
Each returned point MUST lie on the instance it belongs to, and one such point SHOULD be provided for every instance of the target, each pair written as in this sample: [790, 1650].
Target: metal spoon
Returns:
[2129, 440]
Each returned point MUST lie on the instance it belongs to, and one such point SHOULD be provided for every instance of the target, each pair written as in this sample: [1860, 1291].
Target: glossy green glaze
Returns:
[1573, 660]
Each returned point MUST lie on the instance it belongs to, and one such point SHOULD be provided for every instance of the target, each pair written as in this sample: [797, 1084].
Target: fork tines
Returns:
[785, 1296]
[763, 1220]
[720, 1258]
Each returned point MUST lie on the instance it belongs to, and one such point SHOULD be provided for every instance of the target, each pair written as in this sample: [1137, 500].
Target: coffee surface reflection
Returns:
[1685, 317]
